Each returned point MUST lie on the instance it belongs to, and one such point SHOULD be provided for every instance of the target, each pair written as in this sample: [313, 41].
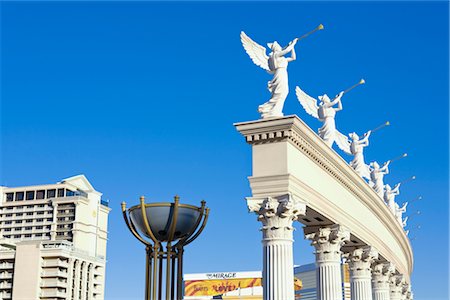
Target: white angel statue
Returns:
[354, 146]
[389, 196]
[324, 112]
[275, 64]
[377, 175]
[399, 213]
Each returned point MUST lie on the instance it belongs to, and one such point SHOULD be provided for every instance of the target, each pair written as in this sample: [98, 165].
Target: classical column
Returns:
[359, 261]
[380, 280]
[395, 286]
[277, 214]
[328, 242]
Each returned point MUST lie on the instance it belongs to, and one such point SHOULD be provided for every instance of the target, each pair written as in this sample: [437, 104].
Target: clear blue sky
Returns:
[141, 97]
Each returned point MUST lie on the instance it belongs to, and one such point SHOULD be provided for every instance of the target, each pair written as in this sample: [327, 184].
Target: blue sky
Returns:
[141, 97]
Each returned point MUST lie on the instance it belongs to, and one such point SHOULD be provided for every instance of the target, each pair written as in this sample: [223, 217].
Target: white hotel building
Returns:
[53, 241]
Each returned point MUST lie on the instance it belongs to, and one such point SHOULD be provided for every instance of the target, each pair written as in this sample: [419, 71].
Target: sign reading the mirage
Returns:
[226, 275]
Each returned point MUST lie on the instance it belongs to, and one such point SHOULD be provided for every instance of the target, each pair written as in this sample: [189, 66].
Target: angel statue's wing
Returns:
[343, 142]
[308, 102]
[256, 52]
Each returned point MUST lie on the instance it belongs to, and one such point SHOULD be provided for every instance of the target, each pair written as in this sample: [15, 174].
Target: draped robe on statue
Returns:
[278, 87]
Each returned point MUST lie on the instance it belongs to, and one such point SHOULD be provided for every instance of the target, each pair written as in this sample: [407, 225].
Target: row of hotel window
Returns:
[39, 220]
[49, 212]
[29, 235]
[18, 208]
[67, 226]
[43, 194]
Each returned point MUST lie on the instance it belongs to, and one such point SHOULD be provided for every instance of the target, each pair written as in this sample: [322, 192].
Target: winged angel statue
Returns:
[275, 64]
[324, 112]
[354, 146]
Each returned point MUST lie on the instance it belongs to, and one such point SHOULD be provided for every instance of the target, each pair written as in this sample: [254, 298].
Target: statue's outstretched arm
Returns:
[365, 140]
[385, 168]
[288, 48]
[293, 56]
[338, 102]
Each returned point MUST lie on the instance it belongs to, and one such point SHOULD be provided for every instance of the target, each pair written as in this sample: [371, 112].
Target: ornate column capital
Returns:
[328, 242]
[277, 214]
[360, 260]
[406, 291]
[396, 283]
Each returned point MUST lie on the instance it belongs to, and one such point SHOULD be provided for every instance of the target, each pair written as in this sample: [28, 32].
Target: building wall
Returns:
[26, 272]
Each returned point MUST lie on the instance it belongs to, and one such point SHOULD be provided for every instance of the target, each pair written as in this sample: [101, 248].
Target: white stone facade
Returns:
[53, 241]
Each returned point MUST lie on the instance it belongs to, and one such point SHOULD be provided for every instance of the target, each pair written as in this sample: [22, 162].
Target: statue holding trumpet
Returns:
[275, 63]
[377, 176]
[325, 111]
[389, 196]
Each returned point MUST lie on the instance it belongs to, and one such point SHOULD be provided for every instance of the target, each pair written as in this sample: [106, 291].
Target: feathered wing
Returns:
[308, 102]
[256, 52]
[343, 142]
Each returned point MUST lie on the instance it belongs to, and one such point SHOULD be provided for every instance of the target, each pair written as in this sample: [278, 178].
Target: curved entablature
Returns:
[289, 158]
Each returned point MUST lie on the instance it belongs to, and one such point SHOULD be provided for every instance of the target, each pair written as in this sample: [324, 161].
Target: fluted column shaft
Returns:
[328, 242]
[359, 262]
[380, 280]
[277, 214]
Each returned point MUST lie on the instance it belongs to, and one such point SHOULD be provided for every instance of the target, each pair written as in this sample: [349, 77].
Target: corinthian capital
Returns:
[384, 269]
[361, 259]
[328, 242]
[277, 214]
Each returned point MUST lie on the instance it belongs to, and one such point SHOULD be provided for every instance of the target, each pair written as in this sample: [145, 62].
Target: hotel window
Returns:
[51, 193]
[38, 234]
[60, 192]
[28, 228]
[70, 193]
[17, 222]
[19, 214]
[39, 220]
[27, 235]
[17, 229]
[19, 196]
[9, 222]
[40, 194]
[30, 195]
[7, 236]
[29, 221]
[17, 236]
[7, 229]
[29, 213]
[38, 227]
[9, 196]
